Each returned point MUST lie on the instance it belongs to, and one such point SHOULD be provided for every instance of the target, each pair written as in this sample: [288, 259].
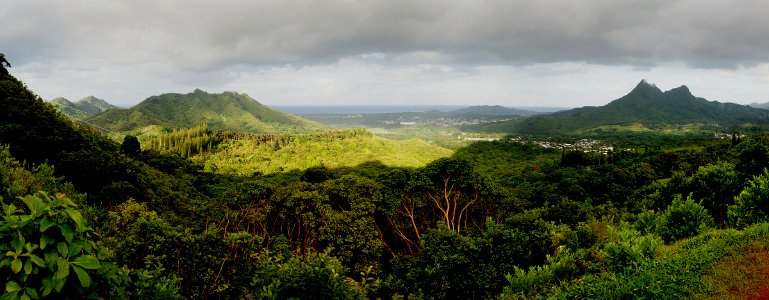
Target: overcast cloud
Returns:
[509, 52]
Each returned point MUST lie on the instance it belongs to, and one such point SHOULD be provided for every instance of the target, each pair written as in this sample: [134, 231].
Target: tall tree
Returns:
[454, 188]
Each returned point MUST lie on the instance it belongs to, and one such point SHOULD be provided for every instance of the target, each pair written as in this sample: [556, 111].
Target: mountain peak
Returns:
[645, 89]
[681, 90]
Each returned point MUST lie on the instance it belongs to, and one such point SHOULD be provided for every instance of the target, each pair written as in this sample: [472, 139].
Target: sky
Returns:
[565, 53]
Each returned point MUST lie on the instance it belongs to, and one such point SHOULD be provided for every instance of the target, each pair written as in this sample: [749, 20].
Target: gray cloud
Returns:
[413, 51]
[200, 35]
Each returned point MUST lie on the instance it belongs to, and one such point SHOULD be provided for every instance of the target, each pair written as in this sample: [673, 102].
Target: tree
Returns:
[4, 63]
[752, 204]
[716, 185]
[453, 187]
[683, 219]
[130, 146]
[752, 157]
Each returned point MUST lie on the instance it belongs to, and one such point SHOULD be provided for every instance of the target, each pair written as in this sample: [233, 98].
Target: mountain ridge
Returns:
[646, 105]
[224, 111]
[87, 106]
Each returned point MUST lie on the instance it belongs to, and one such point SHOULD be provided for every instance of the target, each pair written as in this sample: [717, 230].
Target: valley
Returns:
[217, 196]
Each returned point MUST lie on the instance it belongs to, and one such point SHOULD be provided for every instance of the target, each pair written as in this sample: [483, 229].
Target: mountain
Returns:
[645, 107]
[764, 105]
[492, 110]
[83, 107]
[225, 111]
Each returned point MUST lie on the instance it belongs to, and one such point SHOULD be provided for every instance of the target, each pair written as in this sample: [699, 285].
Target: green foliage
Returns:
[646, 222]
[50, 251]
[130, 146]
[152, 284]
[752, 158]
[715, 185]
[752, 204]
[310, 276]
[565, 265]
[630, 248]
[683, 219]
[675, 275]
[269, 154]
[184, 142]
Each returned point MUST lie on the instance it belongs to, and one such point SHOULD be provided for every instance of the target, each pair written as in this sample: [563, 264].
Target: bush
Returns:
[50, 251]
[310, 276]
[683, 219]
[646, 222]
[752, 204]
[630, 248]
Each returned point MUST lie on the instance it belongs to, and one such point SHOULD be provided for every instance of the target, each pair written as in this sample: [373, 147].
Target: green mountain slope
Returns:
[225, 111]
[646, 107]
[83, 107]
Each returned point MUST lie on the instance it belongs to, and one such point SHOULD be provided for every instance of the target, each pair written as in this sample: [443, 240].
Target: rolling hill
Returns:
[83, 107]
[646, 107]
[225, 111]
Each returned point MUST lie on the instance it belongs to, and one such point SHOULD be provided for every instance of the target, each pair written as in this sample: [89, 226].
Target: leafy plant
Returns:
[683, 219]
[50, 251]
[752, 204]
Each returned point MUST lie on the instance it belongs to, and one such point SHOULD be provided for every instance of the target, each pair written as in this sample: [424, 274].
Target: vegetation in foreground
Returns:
[85, 217]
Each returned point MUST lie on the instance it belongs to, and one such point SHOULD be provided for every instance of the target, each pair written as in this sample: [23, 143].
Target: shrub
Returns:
[752, 204]
[646, 222]
[310, 276]
[630, 248]
[683, 219]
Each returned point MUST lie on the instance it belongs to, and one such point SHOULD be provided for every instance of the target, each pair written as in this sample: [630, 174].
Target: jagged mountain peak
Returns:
[645, 89]
[648, 106]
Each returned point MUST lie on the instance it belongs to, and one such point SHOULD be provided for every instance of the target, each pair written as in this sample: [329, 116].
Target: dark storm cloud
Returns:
[210, 35]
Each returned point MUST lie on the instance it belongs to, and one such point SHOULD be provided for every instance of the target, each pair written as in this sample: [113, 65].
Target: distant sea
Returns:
[373, 109]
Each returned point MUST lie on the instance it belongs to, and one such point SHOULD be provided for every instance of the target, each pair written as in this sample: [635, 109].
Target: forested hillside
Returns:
[225, 111]
[85, 217]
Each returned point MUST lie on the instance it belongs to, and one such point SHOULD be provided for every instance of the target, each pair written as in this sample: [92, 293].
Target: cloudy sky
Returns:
[398, 52]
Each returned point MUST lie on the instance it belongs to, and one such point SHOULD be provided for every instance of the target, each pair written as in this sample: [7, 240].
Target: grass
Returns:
[714, 265]
[741, 275]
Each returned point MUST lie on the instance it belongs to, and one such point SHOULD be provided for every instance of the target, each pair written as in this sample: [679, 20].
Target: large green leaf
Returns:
[45, 240]
[32, 293]
[16, 265]
[62, 270]
[12, 286]
[82, 275]
[28, 267]
[76, 217]
[37, 260]
[87, 262]
[47, 285]
[63, 249]
[30, 202]
[67, 232]
[18, 242]
[46, 223]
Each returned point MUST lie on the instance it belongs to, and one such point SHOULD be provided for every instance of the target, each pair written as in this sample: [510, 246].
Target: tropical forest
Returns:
[656, 195]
